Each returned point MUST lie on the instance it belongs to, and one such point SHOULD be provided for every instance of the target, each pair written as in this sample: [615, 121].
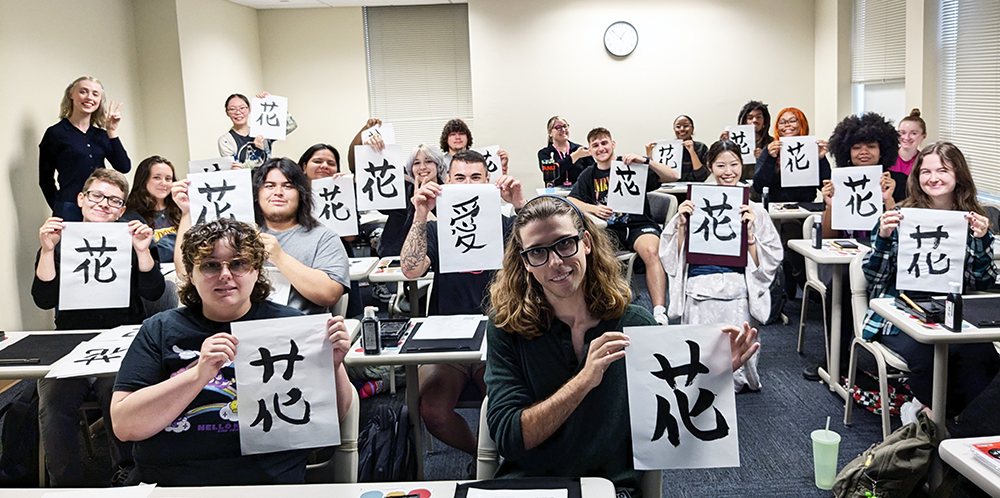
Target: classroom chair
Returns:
[813, 282]
[343, 465]
[883, 355]
[488, 460]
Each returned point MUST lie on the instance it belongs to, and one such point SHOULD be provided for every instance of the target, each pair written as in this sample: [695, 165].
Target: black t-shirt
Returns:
[688, 173]
[202, 446]
[459, 293]
[592, 187]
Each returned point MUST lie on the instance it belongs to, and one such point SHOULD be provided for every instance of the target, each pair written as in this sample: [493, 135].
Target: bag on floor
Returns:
[894, 467]
[386, 451]
[19, 437]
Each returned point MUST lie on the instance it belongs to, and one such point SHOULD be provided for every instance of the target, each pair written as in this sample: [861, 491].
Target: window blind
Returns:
[970, 85]
[878, 45]
[419, 73]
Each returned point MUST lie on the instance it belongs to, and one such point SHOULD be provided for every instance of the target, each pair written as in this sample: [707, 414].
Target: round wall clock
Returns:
[620, 39]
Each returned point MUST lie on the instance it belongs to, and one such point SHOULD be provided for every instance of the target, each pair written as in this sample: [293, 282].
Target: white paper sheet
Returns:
[210, 165]
[701, 440]
[492, 156]
[448, 327]
[627, 187]
[95, 267]
[857, 197]
[379, 178]
[669, 152]
[268, 117]
[221, 194]
[140, 491]
[470, 230]
[281, 288]
[799, 162]
[932, 244]
[715, 226]
[120, 334]
[517, 493]
[278, 399]
[385, 130]
[745, 136]
[334, 204]
[89, 359]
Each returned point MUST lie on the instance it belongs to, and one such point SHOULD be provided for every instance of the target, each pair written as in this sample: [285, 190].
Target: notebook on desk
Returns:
[414, 344]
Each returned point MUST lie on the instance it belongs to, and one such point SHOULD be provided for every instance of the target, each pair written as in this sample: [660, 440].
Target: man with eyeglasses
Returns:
[102, 200]
[454, 294]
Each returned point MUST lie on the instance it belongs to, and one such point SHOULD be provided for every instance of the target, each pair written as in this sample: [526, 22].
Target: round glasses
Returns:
[98, 197]
[237, 267]
[565, 247]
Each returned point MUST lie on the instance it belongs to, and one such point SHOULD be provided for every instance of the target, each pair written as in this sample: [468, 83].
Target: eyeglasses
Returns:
[788, 122]
[561, 127]
[233, 110]
[97, 197]
[238, 267]
[565, 247]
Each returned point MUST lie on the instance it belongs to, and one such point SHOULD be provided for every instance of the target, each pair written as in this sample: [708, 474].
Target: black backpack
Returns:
[386, 451]
[19, 437]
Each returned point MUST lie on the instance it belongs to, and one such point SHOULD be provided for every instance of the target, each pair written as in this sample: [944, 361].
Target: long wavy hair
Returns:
[199, 242]
[964, 195]
[99, 117]
[517, 301]
[142, 202]
[454, 126]
[867, 128]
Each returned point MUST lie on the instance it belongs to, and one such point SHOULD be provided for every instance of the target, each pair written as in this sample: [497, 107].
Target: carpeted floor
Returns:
[774, 423]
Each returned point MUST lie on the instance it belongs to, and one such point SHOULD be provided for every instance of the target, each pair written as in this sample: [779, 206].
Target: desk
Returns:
[392, 356]
[830, 256]
[361, 267]
[590, 487]
[777, 211]
[958, 454]
[37, 371]
[384, 273]
[940, 338]
[560, 191]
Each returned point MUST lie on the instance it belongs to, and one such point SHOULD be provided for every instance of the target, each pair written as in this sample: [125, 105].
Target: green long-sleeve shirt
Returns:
[596, 440]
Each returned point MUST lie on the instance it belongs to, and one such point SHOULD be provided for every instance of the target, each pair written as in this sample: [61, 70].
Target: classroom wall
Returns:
[531, 60]
[46, 44]
[317, 57]
[220, 55]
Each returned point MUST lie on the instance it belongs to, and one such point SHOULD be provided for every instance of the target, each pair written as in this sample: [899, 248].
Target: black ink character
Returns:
[795, 154]
[330, 207]
[937, 235]
[491, 165]
[625, 178]
[102, 354]
[208, 190]
[665, 421]
[263, 415]
[857, 200]
[268, 361]
[710, 210]
[667, 154]
[383, 182]
[741, 140]
[98, 263]
[464, 224]
[268, 114]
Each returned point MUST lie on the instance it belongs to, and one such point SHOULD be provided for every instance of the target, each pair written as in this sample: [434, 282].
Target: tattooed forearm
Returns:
[413, 258]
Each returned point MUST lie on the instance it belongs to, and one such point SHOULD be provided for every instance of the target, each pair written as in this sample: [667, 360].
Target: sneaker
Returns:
[121, 475]
[811, 373]
[909, 411]
[381, 291]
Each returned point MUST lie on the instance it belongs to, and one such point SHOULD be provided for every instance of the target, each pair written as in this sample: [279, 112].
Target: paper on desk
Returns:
[89, 359]
[517, 493]
[121, 334]
[140, 491]
[448, 327]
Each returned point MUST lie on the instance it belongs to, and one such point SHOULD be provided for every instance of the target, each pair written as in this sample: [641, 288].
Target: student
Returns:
[558, 403]
[565, 159]
[456, 137]
[454, 294]
[693, 159]
[151, 203]
[912, 133]
[102, 200]
[246, 151]
[86, 135]
[425, 165]
[709, 293]
[754, 112]
[175, 389]
[940, 179]
[637, 233]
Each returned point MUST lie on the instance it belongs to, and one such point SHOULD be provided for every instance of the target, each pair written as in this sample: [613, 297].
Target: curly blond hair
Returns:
[517, 301]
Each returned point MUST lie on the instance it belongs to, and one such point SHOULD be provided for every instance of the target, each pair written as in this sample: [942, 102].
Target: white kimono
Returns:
[730, 298]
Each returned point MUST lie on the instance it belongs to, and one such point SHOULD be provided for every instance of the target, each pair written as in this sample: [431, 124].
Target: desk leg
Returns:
[413, 405]
[939, 400]
[414, 301]
[832, 374]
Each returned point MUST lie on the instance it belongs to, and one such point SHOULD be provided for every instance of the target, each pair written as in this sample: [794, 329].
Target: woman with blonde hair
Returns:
[561, 161]
[557, 310]
[86, 135]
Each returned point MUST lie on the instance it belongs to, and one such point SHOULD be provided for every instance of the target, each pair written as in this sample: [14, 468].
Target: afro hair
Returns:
[867, 128]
